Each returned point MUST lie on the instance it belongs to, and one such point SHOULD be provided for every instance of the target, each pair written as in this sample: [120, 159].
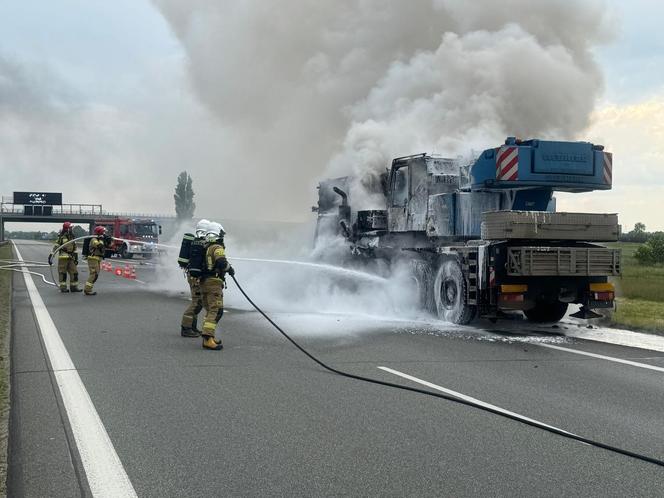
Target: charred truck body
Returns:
[486, 238]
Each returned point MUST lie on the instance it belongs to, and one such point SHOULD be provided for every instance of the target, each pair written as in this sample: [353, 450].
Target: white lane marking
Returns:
[602, 357]
[105, 473]
[472, 400]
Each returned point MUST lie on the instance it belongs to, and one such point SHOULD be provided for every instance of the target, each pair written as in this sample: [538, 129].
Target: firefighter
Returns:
[188, 326]
[212, 283]
[67, 259]
[95, 255]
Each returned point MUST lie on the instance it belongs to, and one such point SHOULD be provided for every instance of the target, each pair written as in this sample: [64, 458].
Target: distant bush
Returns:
[652, 252]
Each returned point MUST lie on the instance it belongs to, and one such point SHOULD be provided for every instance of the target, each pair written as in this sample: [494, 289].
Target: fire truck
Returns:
[131, 236]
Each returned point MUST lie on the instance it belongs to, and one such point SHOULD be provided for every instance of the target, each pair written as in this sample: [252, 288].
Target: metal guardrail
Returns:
[139, 215]
[93, 210]
[77, 209]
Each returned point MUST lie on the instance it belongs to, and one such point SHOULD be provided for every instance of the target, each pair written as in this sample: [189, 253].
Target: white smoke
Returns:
[286, 286]
[308, 89]
[316, 88]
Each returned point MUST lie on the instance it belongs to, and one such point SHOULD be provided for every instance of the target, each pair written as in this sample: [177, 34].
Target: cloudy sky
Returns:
[109, 101]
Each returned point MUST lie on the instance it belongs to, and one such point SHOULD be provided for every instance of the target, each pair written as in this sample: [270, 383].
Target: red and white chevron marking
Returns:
[507, 163]
[608, 167]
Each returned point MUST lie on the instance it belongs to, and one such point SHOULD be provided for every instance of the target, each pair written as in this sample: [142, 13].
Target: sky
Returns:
[108, 101]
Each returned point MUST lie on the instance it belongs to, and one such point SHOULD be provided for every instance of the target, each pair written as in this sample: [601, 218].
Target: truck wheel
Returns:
[124, 253]
[423, 276]
[450, 294]
[546, 312]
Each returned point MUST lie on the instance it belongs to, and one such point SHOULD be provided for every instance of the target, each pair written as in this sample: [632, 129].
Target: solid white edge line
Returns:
[105, 474]
[602, 357]
[472, 400]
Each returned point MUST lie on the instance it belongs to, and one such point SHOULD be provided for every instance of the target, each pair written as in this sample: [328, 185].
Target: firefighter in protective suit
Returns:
[212, 283]
[67, 259]
[95, 255]
[188, 326]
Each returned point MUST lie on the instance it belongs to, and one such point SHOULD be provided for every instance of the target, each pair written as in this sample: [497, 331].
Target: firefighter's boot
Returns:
[194, 326]
[75, 289]
[209, 342]
[187, 332]
[64, 290]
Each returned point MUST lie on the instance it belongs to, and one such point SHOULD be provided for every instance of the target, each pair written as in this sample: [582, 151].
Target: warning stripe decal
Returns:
[507, 163]
[608, 167]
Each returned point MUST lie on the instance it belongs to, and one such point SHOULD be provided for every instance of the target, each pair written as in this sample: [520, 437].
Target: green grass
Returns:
[639, 314]
[5, 322]
[640, 291]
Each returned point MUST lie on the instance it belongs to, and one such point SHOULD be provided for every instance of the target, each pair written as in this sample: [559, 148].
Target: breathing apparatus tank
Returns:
[197, 257]
[85, 250]
[185, 250]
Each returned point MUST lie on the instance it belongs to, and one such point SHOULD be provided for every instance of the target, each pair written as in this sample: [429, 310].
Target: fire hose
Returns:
[22, 267]
[509, 415]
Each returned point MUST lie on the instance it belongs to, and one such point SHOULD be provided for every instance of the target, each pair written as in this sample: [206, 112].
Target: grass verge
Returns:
[640, 290]
[5, 325]
[639, 314]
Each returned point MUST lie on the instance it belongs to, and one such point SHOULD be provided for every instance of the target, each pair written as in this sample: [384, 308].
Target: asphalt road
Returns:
[261, 419]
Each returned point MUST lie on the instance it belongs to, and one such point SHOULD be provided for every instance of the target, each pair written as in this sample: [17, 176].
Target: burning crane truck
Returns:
[486, 238]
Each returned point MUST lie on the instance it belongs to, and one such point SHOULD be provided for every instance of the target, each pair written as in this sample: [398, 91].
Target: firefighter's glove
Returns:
[108, 240]
[231, 271]
[50, 259]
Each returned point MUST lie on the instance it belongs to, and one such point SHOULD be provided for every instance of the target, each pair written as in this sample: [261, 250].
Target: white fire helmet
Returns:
[215, 231]
[202, 228]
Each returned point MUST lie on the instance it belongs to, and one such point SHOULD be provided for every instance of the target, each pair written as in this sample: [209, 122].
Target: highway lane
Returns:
[260, 418]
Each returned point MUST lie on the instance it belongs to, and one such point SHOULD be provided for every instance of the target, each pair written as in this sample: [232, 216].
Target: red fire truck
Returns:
[131, 236]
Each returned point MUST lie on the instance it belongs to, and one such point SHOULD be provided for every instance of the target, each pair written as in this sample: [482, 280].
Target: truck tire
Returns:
[544, 312]
[423, 276]
[124, 253]
[450, 294]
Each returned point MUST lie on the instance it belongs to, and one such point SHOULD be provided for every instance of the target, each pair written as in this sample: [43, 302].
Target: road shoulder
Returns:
[41, 456]
[5, 338]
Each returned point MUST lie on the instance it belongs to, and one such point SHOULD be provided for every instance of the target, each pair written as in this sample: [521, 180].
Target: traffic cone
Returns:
[118, 272]
[132, 275]
[127, 272]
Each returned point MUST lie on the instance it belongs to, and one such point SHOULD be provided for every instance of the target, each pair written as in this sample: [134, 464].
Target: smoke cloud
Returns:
[313, 89]
[307, 89]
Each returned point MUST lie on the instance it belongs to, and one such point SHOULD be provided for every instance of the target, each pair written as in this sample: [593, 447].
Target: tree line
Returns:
[652, 249]
[37, 235]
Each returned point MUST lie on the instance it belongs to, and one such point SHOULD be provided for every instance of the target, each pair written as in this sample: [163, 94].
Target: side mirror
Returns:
[159, 229]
